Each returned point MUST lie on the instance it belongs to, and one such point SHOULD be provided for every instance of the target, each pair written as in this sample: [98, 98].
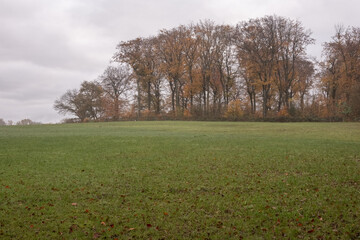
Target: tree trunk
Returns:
[191, 94]
[172, 96]
[280, 101]
[302, 102]
[254, 99]
[116, 108]
[265, 100]
[157, 99]
[149, 95]
[138, 98]
[177, 95]
[204, 99]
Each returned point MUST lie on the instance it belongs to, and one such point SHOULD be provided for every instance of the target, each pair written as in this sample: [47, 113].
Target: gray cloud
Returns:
[47, 47]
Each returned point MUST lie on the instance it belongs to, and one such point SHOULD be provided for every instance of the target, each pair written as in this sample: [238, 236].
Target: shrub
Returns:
[234, 110]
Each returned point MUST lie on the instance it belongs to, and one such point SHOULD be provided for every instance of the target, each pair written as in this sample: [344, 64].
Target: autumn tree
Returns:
[170, 48]
[199, 70]
[269, 50]
[191, 55]
[305, 74]
[257, 47]
[341, 74]
[130, 52]
[249, 82]
[151, 74]
[141, 56]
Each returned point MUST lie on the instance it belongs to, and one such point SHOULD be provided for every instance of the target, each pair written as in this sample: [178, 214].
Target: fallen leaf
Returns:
[72, 228]
[166, 214]
[103, 223]
[310, 231]
[149, 225]
[130, 229]
[74, 204]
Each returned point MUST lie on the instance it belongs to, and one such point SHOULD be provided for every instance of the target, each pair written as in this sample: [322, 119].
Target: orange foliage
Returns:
[187, 113]
[234, 110]
[283, 112]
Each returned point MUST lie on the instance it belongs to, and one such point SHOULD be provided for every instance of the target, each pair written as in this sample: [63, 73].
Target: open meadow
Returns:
[180, 180]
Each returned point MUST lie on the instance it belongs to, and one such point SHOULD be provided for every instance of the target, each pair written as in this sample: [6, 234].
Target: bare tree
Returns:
[84, 103]
[205, 31]
[225, 60]
[292, 40]
[116, 81]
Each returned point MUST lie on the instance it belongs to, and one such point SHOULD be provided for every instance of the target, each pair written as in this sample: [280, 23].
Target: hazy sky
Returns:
[47, 47]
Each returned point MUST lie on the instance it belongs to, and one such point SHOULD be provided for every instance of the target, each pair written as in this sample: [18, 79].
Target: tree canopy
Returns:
[256, 69]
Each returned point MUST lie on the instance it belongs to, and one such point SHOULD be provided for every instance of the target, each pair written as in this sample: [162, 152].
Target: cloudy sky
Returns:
[47, 47]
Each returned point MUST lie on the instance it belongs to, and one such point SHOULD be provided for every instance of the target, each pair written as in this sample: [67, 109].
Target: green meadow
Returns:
[180, 180]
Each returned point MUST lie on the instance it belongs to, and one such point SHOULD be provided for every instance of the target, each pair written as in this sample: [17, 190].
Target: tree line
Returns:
[257, 69]
[25, 121]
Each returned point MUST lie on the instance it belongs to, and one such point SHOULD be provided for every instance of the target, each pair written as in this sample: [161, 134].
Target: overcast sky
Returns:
[47, 47]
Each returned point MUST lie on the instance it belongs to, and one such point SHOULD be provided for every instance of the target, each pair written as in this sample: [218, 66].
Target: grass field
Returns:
[180, 180]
